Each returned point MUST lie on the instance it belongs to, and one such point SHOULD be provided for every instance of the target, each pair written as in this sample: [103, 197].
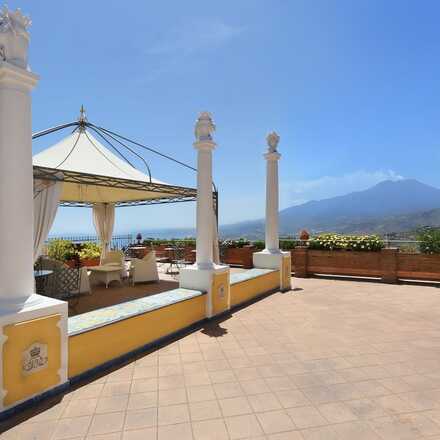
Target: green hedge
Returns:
[331, 242]
[429, 240]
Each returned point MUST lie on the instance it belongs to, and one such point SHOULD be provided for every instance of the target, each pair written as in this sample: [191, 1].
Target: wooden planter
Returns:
[90, 262]
[388, 264]
[239, 256]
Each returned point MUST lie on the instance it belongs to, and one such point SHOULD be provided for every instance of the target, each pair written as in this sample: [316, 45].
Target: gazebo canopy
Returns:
[93, 174]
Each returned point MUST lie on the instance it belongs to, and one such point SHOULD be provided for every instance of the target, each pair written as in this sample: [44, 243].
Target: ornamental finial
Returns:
[14, 37]
[272, 141]
[204, 127]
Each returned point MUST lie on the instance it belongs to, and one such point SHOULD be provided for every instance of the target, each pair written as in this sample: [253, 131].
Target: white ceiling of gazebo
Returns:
[82, 154]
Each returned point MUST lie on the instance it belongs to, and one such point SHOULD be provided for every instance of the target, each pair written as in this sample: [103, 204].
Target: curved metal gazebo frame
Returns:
[173, 193]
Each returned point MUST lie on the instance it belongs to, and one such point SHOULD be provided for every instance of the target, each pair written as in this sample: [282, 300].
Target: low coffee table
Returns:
[105, 274]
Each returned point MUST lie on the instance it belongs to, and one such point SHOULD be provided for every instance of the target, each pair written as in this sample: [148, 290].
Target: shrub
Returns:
[89, 251]
[61, 250]
[429, 240]
[259, 244]
[287, 245]
[332, 242]
[241, 242]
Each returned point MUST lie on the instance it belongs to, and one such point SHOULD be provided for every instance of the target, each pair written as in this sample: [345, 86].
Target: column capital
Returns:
[274, 155]
[13, 75]
[205, 145]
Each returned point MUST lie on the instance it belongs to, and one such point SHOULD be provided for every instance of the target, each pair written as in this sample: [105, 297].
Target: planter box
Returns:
[418, 266]
[90, 262]
[388, 264]
[239, 256]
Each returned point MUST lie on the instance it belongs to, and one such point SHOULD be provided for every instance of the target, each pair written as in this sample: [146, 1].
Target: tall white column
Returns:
[16, 174]
[272, 157]
[204, 275]
[204, 145]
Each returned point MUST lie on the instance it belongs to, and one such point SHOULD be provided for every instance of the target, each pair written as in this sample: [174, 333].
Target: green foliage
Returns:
[61, 250]
[259, 244]
[330, 242]
[189, 241]
[287, 245]
[89, 251]
[429, 240]
[241, 242]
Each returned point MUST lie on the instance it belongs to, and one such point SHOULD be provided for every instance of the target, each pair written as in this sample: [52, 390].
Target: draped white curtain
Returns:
[216, 250]
[47, 196]
[104, 221]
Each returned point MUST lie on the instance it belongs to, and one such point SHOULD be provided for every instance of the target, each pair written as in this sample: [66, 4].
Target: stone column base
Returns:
[33, 347]
[214, 281]
[279, 261]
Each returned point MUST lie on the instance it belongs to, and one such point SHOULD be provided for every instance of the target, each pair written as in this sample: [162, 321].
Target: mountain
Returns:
[389, 206]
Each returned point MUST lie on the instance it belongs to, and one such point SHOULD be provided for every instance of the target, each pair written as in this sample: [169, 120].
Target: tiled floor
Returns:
[331, 360]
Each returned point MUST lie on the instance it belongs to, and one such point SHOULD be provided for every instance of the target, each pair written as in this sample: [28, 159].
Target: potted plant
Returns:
[90, 254]
[63, 250]
[238, 252]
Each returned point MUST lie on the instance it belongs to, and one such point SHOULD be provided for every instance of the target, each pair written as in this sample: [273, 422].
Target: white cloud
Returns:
[297, 192]
[195, 36]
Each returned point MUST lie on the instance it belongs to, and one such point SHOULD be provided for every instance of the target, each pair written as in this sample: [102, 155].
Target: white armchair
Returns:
[144, 270]
[113, 258]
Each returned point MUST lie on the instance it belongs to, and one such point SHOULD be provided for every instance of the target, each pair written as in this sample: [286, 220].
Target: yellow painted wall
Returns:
[286, 274]
[90, 349]
[246, 290]
[20, 336]
[220, 292]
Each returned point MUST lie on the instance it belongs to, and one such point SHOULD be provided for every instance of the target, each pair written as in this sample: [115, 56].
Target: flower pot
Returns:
[90, 262]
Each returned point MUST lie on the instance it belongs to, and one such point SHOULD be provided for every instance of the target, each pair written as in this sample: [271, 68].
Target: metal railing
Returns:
[118, 241]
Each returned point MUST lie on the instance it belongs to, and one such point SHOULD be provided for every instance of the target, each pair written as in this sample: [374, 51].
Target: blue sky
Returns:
[351, 87]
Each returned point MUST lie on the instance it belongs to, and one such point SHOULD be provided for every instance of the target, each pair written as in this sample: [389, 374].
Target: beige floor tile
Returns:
[365, 408]
[279, 383]
[143, 418]
[306, 417]
[205, 410]
[169, 415]
[291, 398]
[141, 434]
[144, 385]
[83, 407]
[243, 427]
[116, 388]
[264, 402]
[235, 406]
[109, 436]
[181, 431]
[393, 404]
[106, 423]
[171, 382]
[72, 427]
[210, 430]
[337, 412]
[111, 404]
[254, 386]
[275, 421]
[200, 393]
[290, 435]
[320, 433]
[172, 397]
[142, 400]
[224, 390]
[354, 431]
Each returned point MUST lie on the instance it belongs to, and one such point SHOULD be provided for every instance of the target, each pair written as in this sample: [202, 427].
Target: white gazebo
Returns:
[80, 171]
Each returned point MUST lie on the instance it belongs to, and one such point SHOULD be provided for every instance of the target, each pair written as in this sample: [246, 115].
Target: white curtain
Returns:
[47, 196]
[216, 250]
[104, 221]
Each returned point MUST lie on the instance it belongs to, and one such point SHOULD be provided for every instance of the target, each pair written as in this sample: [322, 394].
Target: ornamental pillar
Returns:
[271, 257]
[204, 275]
[33, 328]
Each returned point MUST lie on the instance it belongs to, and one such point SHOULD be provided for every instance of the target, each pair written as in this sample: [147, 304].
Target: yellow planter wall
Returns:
[249, 289]
[92, 348]
[20, 336]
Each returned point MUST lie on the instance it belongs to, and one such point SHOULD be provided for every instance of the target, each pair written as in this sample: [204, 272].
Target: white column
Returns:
[272, 157]
[204, 275]
[204, 145]
[16, 174]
